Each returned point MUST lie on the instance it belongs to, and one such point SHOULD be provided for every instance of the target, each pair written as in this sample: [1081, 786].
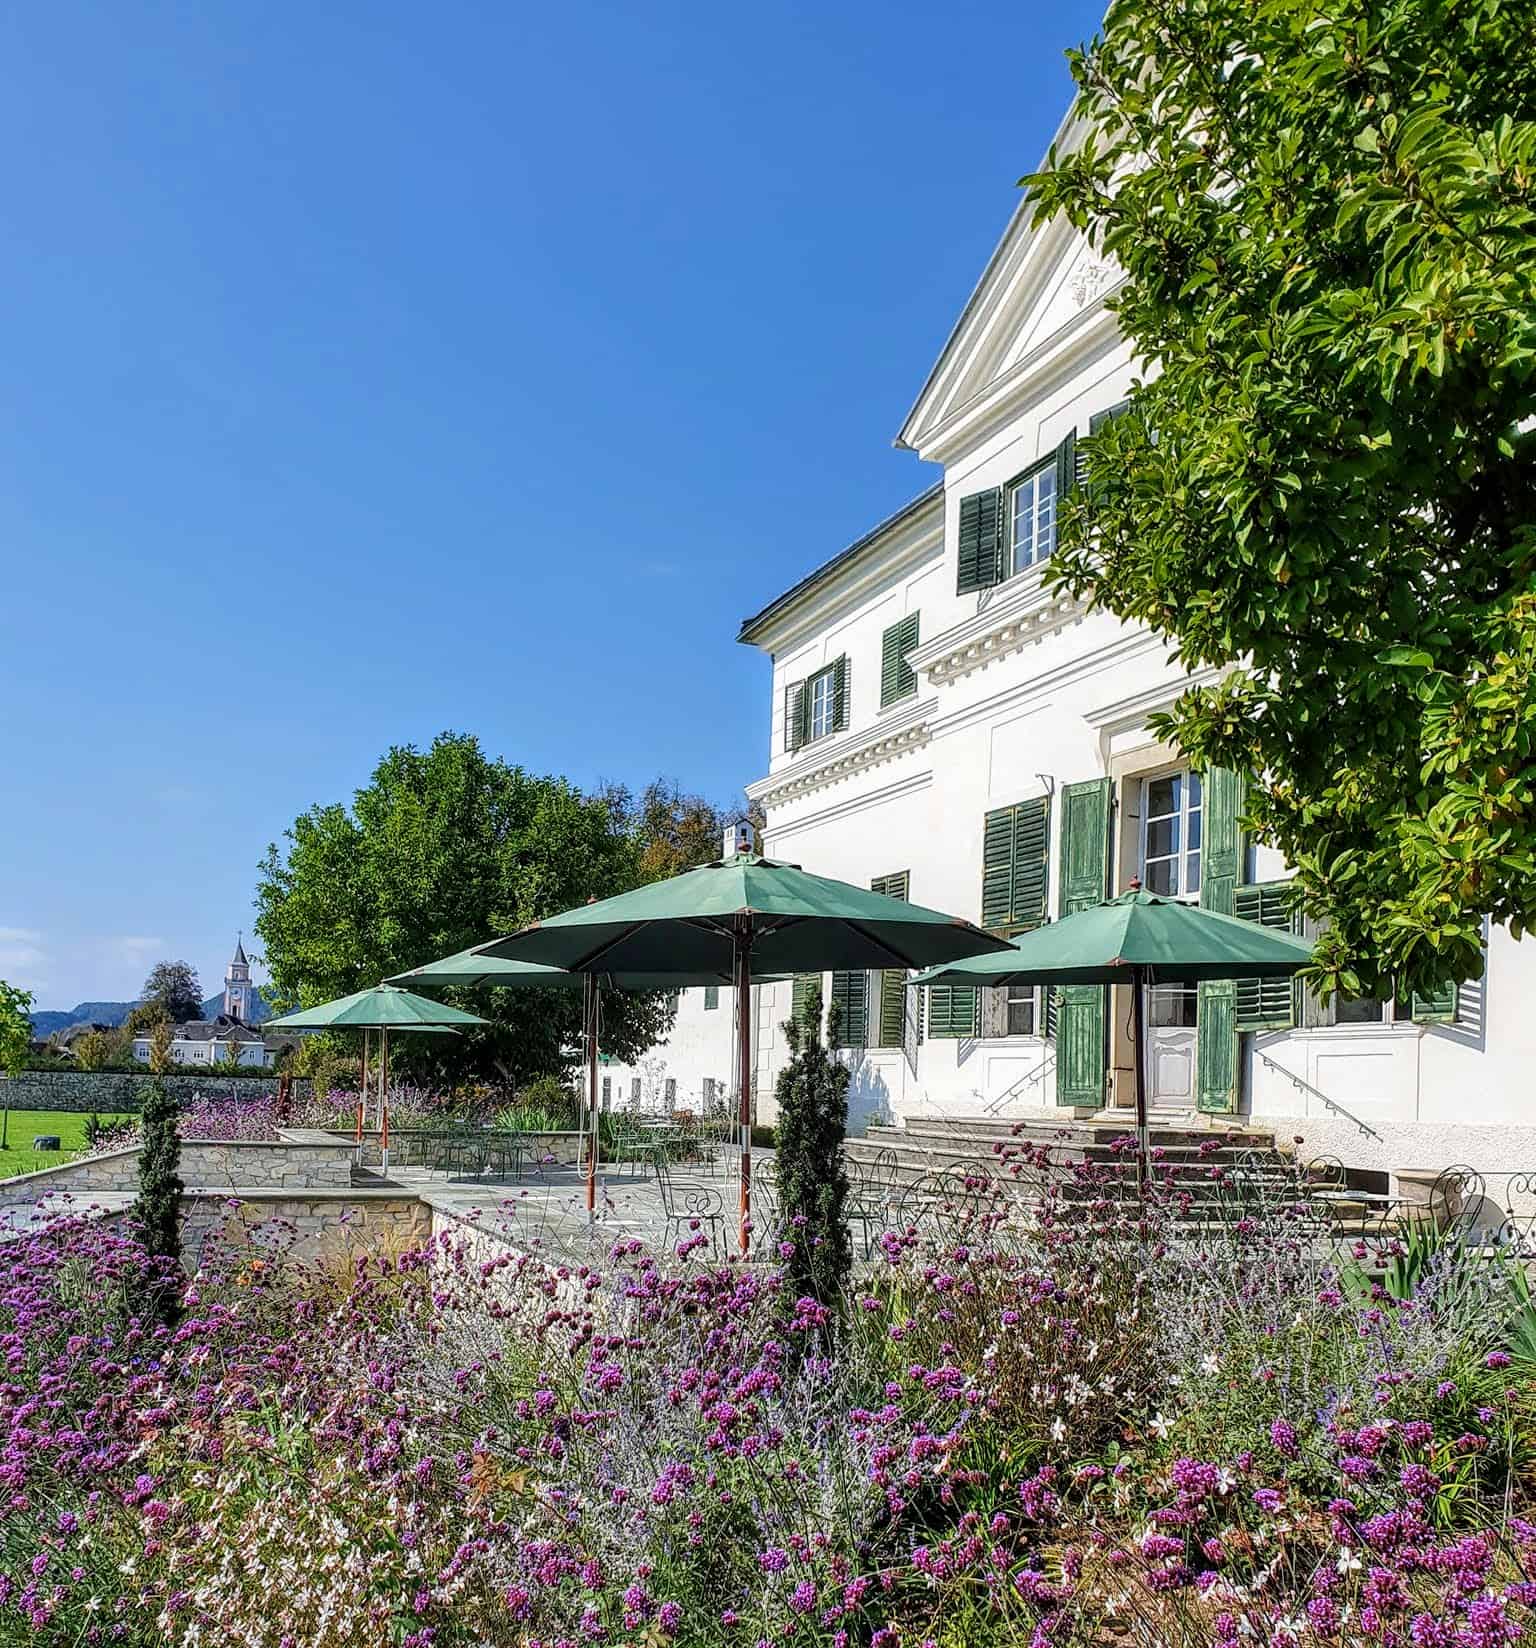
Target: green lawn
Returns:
[24, 1125]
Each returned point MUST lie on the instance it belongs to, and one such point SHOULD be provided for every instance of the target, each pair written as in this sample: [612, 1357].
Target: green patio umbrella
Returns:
[743, 917]
[470, 969]
[384, 1007]
[1136, 939]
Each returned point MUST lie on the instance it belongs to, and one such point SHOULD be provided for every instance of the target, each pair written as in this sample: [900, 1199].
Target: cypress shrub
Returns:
[812, 1092]
[156, 1212]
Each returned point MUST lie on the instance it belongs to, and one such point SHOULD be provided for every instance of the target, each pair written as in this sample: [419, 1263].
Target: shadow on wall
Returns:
[869, 1097]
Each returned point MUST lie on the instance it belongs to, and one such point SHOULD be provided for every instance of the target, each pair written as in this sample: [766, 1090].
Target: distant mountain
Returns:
[50, 1021]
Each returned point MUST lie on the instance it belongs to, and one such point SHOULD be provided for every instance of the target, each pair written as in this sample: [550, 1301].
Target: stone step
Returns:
[1069, 1133]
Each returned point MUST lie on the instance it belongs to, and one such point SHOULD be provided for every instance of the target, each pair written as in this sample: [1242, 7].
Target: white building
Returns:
[943, 726]
[207, 1042]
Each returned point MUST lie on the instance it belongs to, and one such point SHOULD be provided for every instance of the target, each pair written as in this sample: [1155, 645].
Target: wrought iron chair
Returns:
[690, 1208]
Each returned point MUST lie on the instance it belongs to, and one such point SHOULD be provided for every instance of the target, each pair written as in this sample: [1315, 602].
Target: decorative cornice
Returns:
[1120, 714]
[775, 833]
[1021, 616]
[890, 737]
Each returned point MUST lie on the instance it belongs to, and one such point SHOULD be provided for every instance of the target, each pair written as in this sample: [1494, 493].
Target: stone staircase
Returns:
[1254, 1168]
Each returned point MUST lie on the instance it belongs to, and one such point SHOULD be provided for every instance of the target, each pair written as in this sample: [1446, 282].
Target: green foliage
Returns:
[1326, 217]
[157, 1209]
[15, 1027]
[671, 830]
[171, 992]
[443, 849]
[544, 1105]
[812, 1094]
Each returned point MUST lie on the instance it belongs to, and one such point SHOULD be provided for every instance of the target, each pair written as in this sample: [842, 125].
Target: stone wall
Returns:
[328, 1229]
[115, 1092]
[318, 1163]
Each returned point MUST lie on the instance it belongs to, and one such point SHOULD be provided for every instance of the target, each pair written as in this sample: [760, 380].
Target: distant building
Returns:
[208, 1041]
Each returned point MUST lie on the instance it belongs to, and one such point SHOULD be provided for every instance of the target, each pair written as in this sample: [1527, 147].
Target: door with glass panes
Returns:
[1171, 805]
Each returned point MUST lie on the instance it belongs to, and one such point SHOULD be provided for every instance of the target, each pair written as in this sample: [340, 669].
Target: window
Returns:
[711, 997]
[674, 1000]
[1266, 1004]
[1031, 519]
[1170, 838]
[669, 1091]
[1173, 1006]
[823, 705]
[898, 679]
[816, 706]
[1020, 1013]
[709, 1093]
[850, 996]
[634, 1092]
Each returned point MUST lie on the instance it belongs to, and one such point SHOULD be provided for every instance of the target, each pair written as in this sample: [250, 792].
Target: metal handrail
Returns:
[1305, 1086]
[1028, 1079]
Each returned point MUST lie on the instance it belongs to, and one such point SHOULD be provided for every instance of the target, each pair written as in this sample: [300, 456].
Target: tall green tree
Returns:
[170, 992]
[812, 1094]
[1325, 213]
[441, 849]
[15, 1045]
[672, 829]
[156, 1212]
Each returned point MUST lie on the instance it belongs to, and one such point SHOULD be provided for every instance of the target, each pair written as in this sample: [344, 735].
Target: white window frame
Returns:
[1038, 486]
[821, 714]
[1183, 853]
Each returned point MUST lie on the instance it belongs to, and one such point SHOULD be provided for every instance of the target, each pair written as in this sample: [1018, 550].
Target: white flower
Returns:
[1161, 1426]
[1058, 1431]
[1210, 1365]
[1349, 1563]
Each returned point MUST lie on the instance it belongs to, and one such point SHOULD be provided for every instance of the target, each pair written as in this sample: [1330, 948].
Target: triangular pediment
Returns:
[1041, 284]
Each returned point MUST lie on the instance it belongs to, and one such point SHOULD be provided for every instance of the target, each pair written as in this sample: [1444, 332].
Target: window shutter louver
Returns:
[889, 1031]
[1015, 866]
[981, 540]
[1438, 1007]
[951, 1011]
[1221, 861]
[850, 994]
[1265, 1004]
[840, 694]
[1081, 1015]
[711, 997]
[794, 715]
[897, 677]
[1068, 466]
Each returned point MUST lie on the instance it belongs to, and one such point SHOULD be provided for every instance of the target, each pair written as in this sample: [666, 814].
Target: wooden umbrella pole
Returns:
[743, 976]
[590, 989]
[362, 1097]
[1138, 1033]
[384, 1099]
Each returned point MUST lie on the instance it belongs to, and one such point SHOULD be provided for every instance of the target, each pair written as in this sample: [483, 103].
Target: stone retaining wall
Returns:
[324, 1164]
[322, 1228]
[116, 1092]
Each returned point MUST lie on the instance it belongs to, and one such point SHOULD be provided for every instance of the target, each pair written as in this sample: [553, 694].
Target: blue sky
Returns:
[377, 368]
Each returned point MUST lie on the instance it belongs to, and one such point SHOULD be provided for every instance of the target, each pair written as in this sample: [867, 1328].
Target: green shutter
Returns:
[850, 995]
[893, 980]
[1220, 871]
[1067, 463]
[1439, 1007]
[1087, 811]
[840, 694]
[711, 997]
[1015, 859]
[951, 1011]
[1265, 1004]
[1096, 423]
[794, 715]
[897, 677]
[981, 541]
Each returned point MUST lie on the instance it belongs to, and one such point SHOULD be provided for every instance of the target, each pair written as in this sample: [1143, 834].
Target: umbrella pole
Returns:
[384, 1099]
[743, 970]
[1138, 1033]
[590, 988]
[362, 1097]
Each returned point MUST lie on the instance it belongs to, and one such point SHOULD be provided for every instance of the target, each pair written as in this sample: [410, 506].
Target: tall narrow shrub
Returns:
[156, 1212]
[812, 1093]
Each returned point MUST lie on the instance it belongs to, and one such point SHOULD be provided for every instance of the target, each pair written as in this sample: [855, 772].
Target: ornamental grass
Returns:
[1080, 1421]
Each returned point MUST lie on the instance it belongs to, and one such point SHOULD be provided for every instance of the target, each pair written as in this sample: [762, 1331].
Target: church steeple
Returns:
[237, 984]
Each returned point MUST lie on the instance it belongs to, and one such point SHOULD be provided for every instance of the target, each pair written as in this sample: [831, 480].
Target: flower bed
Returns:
[1081, 1427]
